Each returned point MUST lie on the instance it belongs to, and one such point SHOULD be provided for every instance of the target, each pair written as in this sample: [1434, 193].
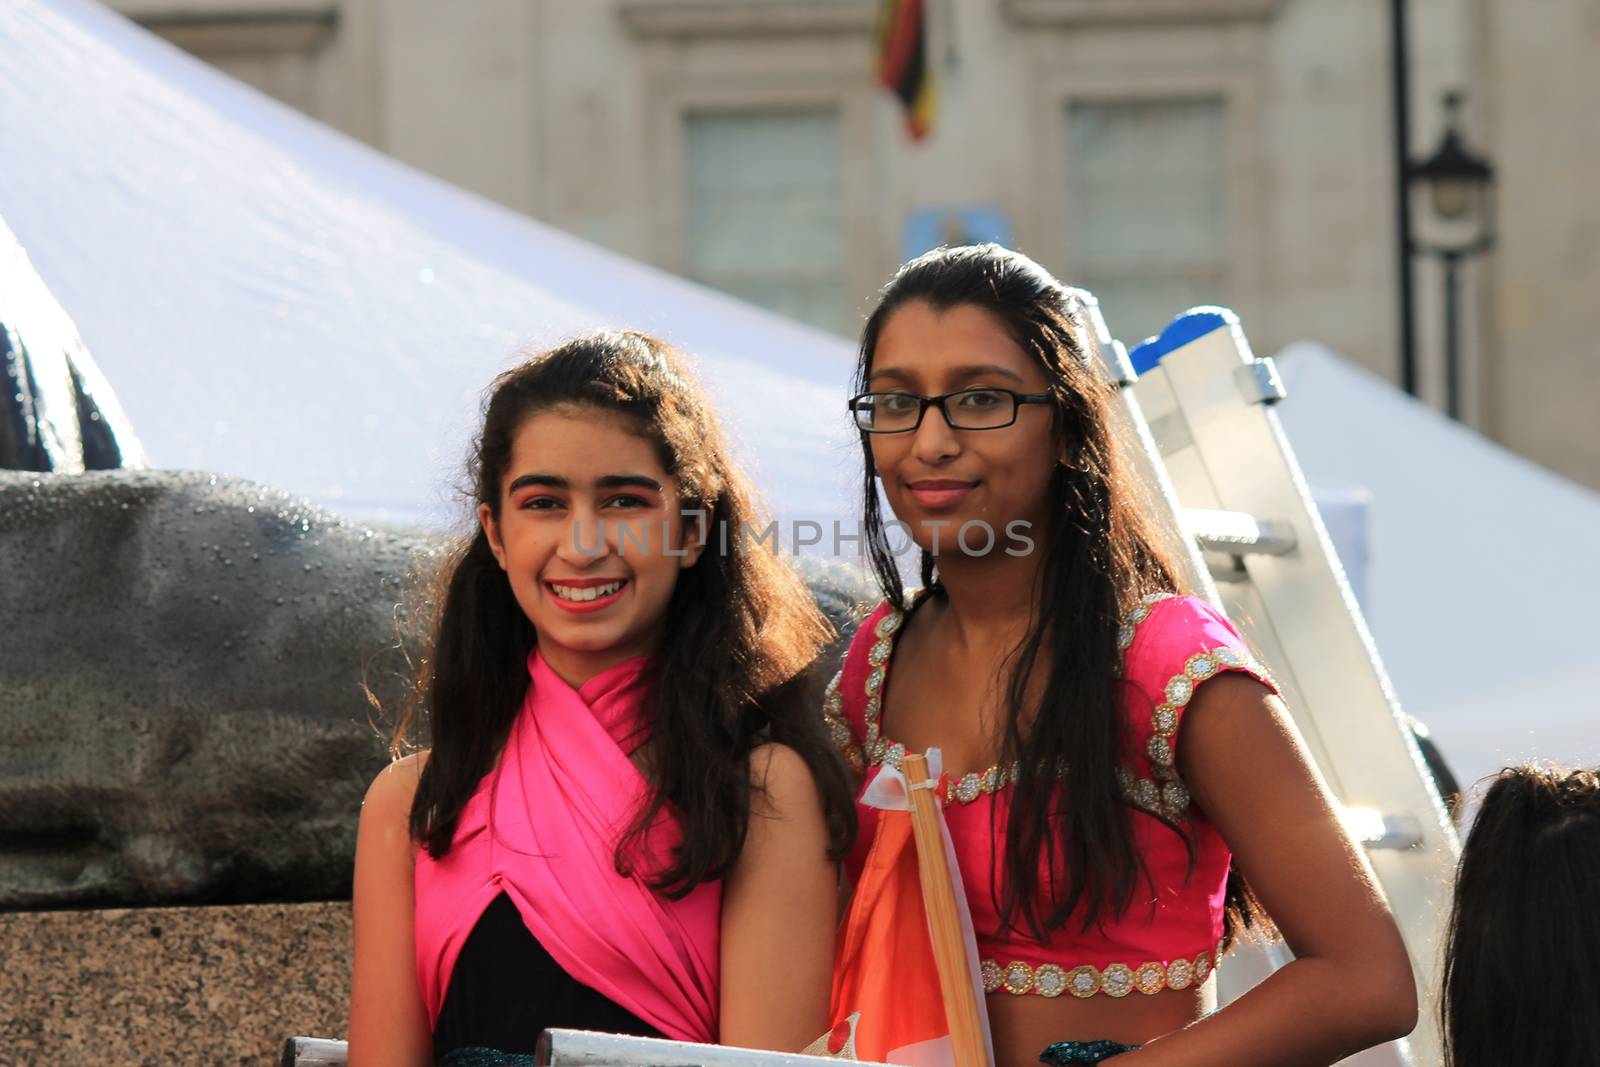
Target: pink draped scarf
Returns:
[543, 828]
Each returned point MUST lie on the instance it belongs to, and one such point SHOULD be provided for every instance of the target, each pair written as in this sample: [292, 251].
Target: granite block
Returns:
[168, 986]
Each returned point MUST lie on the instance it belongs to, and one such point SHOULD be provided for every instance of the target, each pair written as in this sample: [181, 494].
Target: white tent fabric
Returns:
[273, 300]
[1482, 576]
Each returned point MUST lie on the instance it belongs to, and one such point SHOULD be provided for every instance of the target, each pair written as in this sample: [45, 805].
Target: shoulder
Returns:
[1176, 642]
[782, 782]
[385, 849]
[844, 701]
[1172, 645]
[390, 795]
[1180, 616]
[778, 768]
[878, 626]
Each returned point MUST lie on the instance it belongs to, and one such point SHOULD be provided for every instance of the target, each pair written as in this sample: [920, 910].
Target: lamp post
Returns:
[1400, 91]
[1458, 184]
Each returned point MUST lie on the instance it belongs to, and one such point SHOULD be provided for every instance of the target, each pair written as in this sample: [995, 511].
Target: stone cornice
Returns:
[223, 27]
[1065, 13]
[746, 18]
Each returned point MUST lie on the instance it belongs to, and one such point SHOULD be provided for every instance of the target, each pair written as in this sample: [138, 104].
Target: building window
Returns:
[1148, 208]
[765, 220]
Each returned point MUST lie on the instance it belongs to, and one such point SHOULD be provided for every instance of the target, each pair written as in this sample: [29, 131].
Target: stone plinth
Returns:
[164, 986]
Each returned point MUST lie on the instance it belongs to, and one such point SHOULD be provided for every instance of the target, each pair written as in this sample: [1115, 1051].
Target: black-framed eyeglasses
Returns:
[964, 409]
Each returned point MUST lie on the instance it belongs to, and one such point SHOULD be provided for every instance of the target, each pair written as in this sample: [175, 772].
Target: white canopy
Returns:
[1483, 575]
[273, 300]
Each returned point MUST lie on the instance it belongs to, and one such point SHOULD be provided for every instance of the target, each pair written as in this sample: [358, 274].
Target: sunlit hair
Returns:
[1101, 556]
[1520, 978]
[742, 625]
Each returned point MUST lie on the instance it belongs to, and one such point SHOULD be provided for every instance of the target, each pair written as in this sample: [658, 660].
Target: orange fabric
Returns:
[885, 968]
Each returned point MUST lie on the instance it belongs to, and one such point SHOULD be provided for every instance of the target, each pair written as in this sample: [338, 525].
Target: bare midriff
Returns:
[1025, 1026]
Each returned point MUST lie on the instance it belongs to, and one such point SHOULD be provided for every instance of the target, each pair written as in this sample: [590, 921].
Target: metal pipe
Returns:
[1400, 60]
[1238, 534]
[580, 1048]
[1452, 333]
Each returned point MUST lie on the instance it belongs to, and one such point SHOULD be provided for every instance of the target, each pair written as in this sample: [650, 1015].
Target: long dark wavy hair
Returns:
[1520, 984]
[1101, 556]
[743, 626]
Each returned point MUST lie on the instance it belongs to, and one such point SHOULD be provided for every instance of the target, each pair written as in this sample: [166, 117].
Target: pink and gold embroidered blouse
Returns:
[1169, 936]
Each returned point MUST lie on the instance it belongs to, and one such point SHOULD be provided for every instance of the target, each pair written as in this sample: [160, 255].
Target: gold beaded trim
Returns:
[1084, 981]
[878, 750]
[838, 728]
[1140, 612]
[1166, 795]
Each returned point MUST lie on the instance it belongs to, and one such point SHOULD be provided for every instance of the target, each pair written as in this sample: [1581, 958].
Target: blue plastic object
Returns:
[1190, 326]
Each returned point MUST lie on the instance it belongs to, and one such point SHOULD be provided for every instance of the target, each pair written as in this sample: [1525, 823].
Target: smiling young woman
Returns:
[612, 830]
[1112, 744]
[586, 537]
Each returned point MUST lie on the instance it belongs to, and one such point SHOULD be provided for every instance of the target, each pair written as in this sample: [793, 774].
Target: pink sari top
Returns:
[542, 828]
[1168, 938]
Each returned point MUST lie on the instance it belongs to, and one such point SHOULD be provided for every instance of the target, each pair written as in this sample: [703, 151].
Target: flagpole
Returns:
[944, 921]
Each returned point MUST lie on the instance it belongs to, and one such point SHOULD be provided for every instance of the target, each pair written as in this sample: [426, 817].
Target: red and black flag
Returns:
[903, 61]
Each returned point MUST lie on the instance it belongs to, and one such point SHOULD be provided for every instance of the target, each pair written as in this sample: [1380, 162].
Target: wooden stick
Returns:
[944, 921]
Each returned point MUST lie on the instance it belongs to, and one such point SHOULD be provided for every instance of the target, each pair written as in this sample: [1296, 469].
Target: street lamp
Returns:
[1458, 185]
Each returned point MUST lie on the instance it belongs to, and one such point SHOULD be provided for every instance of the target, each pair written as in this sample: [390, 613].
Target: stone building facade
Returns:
[1161, 152]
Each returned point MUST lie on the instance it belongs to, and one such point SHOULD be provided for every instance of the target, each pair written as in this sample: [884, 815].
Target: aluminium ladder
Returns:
[1197, 408]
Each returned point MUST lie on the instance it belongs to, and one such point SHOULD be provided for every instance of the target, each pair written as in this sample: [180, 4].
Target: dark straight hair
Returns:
[1520, 979]
[1101, 556]
[743, 626]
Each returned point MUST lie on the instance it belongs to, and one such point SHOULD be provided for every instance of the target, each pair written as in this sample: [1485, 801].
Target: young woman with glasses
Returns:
[1118, 763]
[614, 828]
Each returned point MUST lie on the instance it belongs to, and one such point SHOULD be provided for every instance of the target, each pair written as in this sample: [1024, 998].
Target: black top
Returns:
[506, 989]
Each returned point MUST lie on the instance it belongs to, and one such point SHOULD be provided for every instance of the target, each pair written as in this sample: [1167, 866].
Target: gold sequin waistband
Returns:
[1115, 980]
